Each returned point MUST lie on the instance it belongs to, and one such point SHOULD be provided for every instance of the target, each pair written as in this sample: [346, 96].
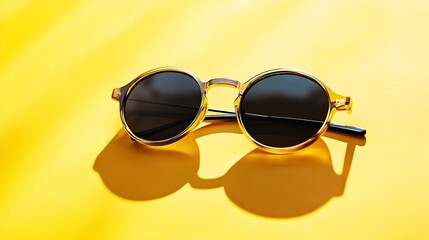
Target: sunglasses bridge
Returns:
[222, 82]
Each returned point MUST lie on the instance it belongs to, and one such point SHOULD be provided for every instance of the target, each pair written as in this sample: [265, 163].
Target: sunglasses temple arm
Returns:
[347, 129]
[225, 116]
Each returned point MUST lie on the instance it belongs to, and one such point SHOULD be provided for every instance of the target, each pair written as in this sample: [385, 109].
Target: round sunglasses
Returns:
[280, 110]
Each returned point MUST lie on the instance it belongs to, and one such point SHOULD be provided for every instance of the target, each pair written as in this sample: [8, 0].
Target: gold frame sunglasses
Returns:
[302, 84]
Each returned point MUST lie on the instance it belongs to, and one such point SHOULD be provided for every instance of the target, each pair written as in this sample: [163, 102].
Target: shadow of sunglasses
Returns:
[270, 185]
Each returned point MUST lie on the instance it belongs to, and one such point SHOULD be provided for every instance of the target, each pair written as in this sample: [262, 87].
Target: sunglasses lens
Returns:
[162, 105]
[284, 110]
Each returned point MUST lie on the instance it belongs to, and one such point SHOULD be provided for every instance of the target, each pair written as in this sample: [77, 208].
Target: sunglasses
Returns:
[280, 110]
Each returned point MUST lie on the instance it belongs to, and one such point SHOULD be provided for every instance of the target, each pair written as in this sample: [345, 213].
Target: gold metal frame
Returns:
[337, 101]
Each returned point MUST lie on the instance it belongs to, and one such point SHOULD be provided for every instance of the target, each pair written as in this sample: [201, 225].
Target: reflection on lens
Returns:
[162, 105]
[284, 109]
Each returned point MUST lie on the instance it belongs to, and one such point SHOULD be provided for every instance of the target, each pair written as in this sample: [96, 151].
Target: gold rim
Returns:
[198, 118]
[247, 85]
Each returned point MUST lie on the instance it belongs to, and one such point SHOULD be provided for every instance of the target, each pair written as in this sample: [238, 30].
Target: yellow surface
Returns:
[68, 171]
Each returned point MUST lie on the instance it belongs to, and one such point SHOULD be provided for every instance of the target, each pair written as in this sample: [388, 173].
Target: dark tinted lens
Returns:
[284, 110]
[162, 105]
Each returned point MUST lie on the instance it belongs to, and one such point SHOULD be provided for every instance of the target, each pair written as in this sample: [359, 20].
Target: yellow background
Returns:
[68, 171]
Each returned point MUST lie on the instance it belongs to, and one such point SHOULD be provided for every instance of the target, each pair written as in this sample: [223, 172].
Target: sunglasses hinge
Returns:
[116, 94]
[343, 104]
